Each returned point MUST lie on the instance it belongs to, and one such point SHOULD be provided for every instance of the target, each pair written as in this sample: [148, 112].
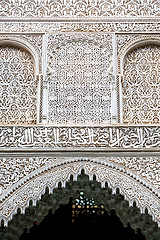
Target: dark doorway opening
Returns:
[81, 218]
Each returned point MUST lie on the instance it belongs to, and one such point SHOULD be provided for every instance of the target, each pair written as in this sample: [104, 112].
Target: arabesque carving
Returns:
[130, 188]
[18, 86]
[141, 86]
[70, 86]
[133, 26]
[79, 8]
[15, 171]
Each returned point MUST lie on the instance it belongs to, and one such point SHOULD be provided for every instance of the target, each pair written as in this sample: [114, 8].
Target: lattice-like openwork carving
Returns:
[141, 86]
[79, 86]
[18, 87]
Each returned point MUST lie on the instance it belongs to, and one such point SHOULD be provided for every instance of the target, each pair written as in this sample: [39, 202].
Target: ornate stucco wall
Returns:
[79, 88]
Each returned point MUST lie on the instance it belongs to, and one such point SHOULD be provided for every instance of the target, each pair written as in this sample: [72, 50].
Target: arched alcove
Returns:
[18, 84]
[92, 190]
[141, 85]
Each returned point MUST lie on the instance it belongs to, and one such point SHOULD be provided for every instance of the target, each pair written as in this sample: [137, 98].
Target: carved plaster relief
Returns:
[131, 189]
[79, 82]
[21, 62]
[133, 26]
[84, 43]
[128, 44]
[141, 85]
[18, 86]
[130, 41]
[15, 171]
[79, 8]
[80, 137]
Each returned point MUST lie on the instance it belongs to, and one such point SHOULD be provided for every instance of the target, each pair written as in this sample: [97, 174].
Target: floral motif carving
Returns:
[33, 41]
[141, 85]
[91, 36]
[78, 8]
[70, 26]
[15, 171]
[18, 87]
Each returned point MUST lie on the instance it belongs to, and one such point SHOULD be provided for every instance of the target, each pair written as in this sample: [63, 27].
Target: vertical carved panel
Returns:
[141, 86]
[79, 84]
[18, 87]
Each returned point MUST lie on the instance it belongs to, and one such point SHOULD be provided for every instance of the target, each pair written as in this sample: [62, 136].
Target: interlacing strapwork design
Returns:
[79, 85]
[18, 87]
[141, 86]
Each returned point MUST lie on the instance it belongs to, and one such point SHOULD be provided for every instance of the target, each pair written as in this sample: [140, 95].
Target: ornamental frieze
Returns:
[78, 8]
[81, 26]
[76, 137]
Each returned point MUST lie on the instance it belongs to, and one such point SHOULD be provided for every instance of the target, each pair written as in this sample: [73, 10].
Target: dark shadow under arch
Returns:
[89, 221]
[60, 198]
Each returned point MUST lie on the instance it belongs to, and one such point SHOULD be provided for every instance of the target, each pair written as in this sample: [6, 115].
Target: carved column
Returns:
[119, 98]
[114, 81]
[44, 80]
[45, 101]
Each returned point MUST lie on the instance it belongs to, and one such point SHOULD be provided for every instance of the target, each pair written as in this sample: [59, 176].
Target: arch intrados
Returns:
[136, 45]
[24, 46]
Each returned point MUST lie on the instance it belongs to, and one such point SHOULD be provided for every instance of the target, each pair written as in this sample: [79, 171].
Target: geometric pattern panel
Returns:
[18, 87]
[79, 84]
[141, 86]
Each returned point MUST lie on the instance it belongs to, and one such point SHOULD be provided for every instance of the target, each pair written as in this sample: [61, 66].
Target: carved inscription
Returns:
[75, 137]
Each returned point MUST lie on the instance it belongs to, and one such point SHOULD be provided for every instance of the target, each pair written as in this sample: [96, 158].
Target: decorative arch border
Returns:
[64, 38]
[21, 43]
[132, 189]
[134, 43]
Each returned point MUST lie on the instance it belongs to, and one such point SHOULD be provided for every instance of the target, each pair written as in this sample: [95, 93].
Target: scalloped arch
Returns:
[131, 189]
